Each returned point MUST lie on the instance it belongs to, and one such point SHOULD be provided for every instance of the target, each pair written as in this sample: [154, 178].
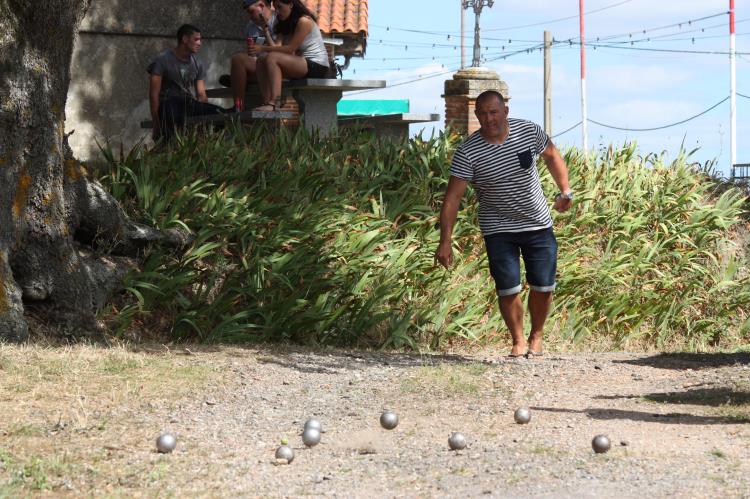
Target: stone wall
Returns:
[108, 95]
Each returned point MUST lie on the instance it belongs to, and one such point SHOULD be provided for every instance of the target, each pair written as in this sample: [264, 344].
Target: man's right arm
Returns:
[448, 214]
[154, 87]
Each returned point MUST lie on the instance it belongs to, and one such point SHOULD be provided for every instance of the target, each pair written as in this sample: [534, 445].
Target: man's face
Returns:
[491, 115]
[192, 42]
[259, 12]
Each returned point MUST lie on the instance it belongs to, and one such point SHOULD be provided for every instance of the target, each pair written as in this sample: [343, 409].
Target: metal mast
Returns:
[477, 5]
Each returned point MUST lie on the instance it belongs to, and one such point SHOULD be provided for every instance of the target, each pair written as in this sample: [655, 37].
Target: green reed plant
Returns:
[331, 241]
[647, 253]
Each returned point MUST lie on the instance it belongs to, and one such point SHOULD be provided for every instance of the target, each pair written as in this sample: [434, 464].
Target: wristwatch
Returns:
[564, 195]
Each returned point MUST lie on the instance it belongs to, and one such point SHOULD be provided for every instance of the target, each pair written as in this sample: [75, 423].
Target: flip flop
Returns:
[516, 356]
[532, 353]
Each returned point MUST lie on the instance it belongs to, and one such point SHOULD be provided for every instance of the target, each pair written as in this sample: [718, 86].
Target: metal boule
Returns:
[522, 415]
[311, 437]
[457, 441]
[389, 420]
[314, 423]
[600, 444]
[285, 452]
[166, 443]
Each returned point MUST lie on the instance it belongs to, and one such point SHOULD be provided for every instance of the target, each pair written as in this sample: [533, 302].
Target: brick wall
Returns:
[459, 114]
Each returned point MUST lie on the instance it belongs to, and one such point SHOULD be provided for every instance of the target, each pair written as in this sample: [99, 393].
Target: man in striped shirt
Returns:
[499, 161]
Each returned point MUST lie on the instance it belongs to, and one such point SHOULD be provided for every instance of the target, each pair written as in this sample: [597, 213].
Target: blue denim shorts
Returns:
[539, 250]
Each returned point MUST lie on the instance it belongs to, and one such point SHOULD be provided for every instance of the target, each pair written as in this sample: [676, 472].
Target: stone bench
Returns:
[317, 98]
[388, 125]
[243, 117]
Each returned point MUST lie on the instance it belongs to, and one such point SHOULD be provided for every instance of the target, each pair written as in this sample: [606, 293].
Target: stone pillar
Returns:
[461, 93]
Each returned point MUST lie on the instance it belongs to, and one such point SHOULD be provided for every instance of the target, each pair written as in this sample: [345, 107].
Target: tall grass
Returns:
[648, 253]
[331, 242]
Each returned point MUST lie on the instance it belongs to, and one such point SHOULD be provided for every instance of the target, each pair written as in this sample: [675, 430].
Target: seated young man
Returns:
[177, 88]
[260, 29]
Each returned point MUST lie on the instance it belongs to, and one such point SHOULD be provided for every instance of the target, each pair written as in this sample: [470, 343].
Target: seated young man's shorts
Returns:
[539, 251]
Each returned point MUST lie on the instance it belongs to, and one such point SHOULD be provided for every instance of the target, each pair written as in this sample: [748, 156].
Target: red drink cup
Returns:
[250, 43]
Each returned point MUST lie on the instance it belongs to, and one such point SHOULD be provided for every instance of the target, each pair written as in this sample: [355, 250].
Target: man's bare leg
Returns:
[539, 304]
[511, 308]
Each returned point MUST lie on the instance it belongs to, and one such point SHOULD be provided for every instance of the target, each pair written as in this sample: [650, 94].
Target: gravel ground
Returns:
[678, 424]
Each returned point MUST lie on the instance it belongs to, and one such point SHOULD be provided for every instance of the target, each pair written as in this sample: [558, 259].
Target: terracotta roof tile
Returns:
[340, 16]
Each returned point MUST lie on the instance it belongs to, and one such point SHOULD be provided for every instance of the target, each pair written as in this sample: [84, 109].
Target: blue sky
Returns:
[654, 81]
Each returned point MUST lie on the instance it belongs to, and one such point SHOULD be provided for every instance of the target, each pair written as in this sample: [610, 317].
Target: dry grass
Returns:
[449, 381]
[90, 396]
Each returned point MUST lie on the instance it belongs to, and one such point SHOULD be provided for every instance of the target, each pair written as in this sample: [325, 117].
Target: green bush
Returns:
[331, 241]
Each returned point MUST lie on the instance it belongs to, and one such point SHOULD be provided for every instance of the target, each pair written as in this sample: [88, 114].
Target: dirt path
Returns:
[83, 420]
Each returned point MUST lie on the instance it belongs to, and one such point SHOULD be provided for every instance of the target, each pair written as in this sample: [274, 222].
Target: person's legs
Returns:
[511, 308]
[243, 70]
[261, 73]
[539, 304]
[540, 257]
[171, 116]
[278, 66]
[197, 108]
[503, 258]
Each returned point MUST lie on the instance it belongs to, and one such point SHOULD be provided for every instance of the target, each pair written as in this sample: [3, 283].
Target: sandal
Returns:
[265, 108]
[530, 354]
[270, 107]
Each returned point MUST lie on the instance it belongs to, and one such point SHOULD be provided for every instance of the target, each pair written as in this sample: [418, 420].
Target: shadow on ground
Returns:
[690, 360]
[702, 396]
[680, 418]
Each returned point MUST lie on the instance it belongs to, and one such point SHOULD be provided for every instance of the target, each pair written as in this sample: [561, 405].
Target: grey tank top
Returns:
[312, 47]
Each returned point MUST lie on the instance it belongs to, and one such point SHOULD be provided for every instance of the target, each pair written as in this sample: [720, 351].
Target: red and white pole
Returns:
[732, 92]
[584, 119]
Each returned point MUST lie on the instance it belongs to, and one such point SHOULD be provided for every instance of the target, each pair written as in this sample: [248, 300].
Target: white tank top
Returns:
[312, 47]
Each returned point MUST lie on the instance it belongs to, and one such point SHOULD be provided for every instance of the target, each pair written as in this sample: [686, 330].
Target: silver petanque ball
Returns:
[600, 444]
[285, 452]
[311, 437]
[166, 443]
[457, 441]
[314, 423]
[389, 420]
[522, 415]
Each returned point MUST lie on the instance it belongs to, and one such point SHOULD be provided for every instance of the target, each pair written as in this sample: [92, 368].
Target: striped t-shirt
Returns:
[505, 178]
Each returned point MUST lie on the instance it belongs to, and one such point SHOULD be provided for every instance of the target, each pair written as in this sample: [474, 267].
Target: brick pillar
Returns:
[461, 94]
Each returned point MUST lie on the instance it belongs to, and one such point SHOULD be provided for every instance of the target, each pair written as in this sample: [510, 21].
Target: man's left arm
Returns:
[559, 171]
[200, 90]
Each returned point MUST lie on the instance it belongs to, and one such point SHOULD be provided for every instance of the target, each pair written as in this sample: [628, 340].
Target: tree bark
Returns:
[47, 203]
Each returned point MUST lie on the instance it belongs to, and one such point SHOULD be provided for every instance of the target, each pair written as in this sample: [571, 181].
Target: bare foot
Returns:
[266, 108]
[535, 344]
[518, 350]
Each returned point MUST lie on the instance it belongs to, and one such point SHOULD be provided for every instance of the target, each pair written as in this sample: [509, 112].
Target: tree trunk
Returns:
[47, 205]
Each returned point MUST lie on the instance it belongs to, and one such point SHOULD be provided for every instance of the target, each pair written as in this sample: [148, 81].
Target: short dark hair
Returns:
[488, 94]
[186, 30]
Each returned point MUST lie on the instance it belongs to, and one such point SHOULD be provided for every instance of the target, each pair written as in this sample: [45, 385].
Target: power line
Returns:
[743, 95]
[667, 35]
[659, 28]
[663, 126]
[439, 73]
[708, 52]
[507, 28]
[568, 130]
[559, 19]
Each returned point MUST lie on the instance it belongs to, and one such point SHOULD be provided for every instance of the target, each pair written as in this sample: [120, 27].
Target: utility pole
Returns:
[547, 83]
[463, 35]
[584, 119]
[732, 93]
[477, 5]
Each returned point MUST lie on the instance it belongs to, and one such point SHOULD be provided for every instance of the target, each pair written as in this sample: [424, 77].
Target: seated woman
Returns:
[298, 52]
